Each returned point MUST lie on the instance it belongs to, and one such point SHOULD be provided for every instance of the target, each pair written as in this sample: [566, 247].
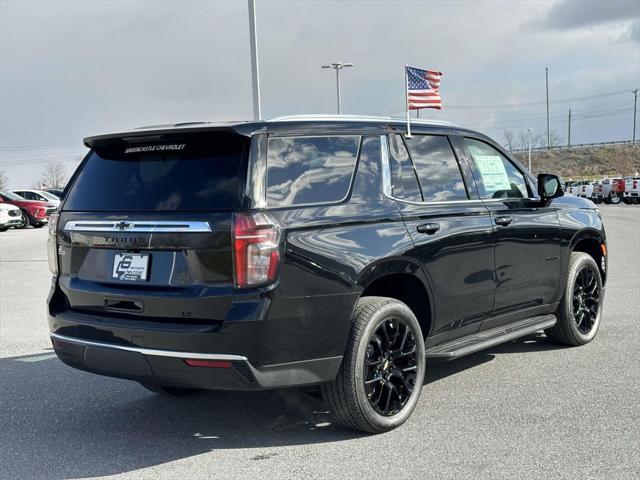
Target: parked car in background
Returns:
[39, 195]
[607, 191]
[10, 216]
[330, 252]
[631, 190]
[55, 191]
[35, 213]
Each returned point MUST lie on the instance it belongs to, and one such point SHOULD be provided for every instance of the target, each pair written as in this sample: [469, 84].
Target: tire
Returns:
[4, 229]
[170, 391]
[614, 199]
[25, 221]
[580, 309]
[37, 225]
[352, 402]
[627, 200]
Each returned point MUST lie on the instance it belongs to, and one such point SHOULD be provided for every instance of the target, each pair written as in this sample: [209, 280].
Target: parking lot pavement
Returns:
[527, 409]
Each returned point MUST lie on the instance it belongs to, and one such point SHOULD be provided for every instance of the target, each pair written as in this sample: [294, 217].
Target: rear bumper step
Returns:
[489, 338]
[212, 371]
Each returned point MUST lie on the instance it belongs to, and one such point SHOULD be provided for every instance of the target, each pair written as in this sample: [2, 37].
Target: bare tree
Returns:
[4, 180]
[523, 140]
[54, 176]
[509, 138]
[555, 138]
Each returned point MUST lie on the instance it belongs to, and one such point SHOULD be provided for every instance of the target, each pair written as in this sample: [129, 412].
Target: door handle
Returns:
[504, 221]
[428, 228]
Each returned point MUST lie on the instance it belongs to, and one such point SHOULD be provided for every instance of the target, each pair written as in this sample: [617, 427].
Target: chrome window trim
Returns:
[357, 118]
[149, 351]
[386, 168]
[137, 226]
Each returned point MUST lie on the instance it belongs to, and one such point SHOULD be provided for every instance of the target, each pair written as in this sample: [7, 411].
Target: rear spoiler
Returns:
[158, 133]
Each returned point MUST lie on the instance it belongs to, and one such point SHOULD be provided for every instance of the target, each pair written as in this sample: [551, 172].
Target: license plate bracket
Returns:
[131, 267]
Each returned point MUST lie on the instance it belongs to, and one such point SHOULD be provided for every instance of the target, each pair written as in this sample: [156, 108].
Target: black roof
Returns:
[297, 123]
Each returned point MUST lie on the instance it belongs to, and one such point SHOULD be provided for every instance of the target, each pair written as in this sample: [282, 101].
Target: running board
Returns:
[489, 338]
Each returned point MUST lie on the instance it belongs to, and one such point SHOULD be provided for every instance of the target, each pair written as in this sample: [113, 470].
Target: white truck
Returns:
[586, 190]
[631, 190]
[607, 191]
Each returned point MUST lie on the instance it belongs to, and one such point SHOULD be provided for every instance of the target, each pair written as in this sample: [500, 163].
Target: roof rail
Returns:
[357, 118]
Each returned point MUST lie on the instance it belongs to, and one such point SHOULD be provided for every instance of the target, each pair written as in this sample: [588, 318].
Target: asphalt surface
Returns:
[526, 409]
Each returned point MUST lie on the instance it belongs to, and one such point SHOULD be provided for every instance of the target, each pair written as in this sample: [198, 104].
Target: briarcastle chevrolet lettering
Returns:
[328, 252]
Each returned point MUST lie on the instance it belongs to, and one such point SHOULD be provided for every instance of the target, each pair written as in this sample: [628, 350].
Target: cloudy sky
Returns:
[71, 69]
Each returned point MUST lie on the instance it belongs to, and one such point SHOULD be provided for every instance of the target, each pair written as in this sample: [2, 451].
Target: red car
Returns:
[34, 213]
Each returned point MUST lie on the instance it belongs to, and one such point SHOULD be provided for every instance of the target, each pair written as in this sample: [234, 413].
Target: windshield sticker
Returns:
[494, 175]
[156, 148]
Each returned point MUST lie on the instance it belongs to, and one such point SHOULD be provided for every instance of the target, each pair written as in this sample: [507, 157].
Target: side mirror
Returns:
[549, 186]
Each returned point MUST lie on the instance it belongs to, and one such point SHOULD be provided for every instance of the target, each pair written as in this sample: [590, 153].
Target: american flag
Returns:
[423, 89]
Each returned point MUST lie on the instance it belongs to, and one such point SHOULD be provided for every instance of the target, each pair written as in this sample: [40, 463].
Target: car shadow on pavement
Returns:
[56, 422]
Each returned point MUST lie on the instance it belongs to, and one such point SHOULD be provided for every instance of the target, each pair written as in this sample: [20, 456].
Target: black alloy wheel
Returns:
[580, 310]
[586, 299]
[390, 367]
[379, 382]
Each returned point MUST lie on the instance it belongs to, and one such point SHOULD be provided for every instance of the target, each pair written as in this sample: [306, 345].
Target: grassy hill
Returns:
[586, 163]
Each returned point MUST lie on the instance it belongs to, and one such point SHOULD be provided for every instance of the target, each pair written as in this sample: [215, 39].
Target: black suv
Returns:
[313, 251]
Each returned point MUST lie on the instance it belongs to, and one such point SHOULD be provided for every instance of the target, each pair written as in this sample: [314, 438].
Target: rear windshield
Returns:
[192, 173]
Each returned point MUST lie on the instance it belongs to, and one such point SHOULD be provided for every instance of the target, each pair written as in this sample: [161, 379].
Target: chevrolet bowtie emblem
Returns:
[123, 225]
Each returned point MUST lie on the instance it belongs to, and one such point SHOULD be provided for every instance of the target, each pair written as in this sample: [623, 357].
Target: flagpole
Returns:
[406, 96]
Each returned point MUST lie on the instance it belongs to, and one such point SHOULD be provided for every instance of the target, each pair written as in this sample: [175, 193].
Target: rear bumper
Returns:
[169, 368]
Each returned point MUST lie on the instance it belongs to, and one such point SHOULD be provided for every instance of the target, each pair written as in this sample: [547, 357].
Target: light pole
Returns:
[635, 101]
[255, 76]
[529, 146]
[337, 66]
[546, 81]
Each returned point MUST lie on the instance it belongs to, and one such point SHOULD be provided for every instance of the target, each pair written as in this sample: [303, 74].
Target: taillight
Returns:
[635, 184]
[52, 247]
[256, 249]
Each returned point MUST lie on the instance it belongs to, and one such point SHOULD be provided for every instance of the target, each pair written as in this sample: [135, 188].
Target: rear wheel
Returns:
[580, 310]
[379, 382]
[614, 199]
[170, 391]
[627, 200]
[37, 225]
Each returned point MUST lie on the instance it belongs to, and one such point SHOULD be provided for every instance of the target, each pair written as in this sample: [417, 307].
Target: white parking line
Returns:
[36, 358]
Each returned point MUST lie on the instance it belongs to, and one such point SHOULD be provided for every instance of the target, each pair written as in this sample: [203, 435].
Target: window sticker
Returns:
[494, 175]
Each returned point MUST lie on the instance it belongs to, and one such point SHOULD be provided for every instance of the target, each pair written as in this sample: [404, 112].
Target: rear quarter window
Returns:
[310, 170]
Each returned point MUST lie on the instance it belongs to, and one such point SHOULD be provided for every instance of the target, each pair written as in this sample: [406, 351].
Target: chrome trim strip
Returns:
[150, 351]
[136, 226]
[386, 170]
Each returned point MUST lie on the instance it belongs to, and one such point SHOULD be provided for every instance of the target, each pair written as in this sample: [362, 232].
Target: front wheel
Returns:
[580, 309]
[379, 382]
[24, 221]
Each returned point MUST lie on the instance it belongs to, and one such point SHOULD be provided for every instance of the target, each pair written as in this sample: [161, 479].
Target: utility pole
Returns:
[635, 102]
[529, 146]
[546, 75]
[337, 66]
[255, 77]
[569, 132]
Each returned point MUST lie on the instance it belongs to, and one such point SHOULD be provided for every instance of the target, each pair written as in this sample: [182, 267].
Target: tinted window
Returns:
[437, 168]
[306, 170]
[403, 176]
[192, 173]
[499, 178]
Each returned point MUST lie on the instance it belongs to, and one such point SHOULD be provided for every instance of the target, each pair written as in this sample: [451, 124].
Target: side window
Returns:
[308, 170]
[403, 176]
[499, 178]
[437, 168]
